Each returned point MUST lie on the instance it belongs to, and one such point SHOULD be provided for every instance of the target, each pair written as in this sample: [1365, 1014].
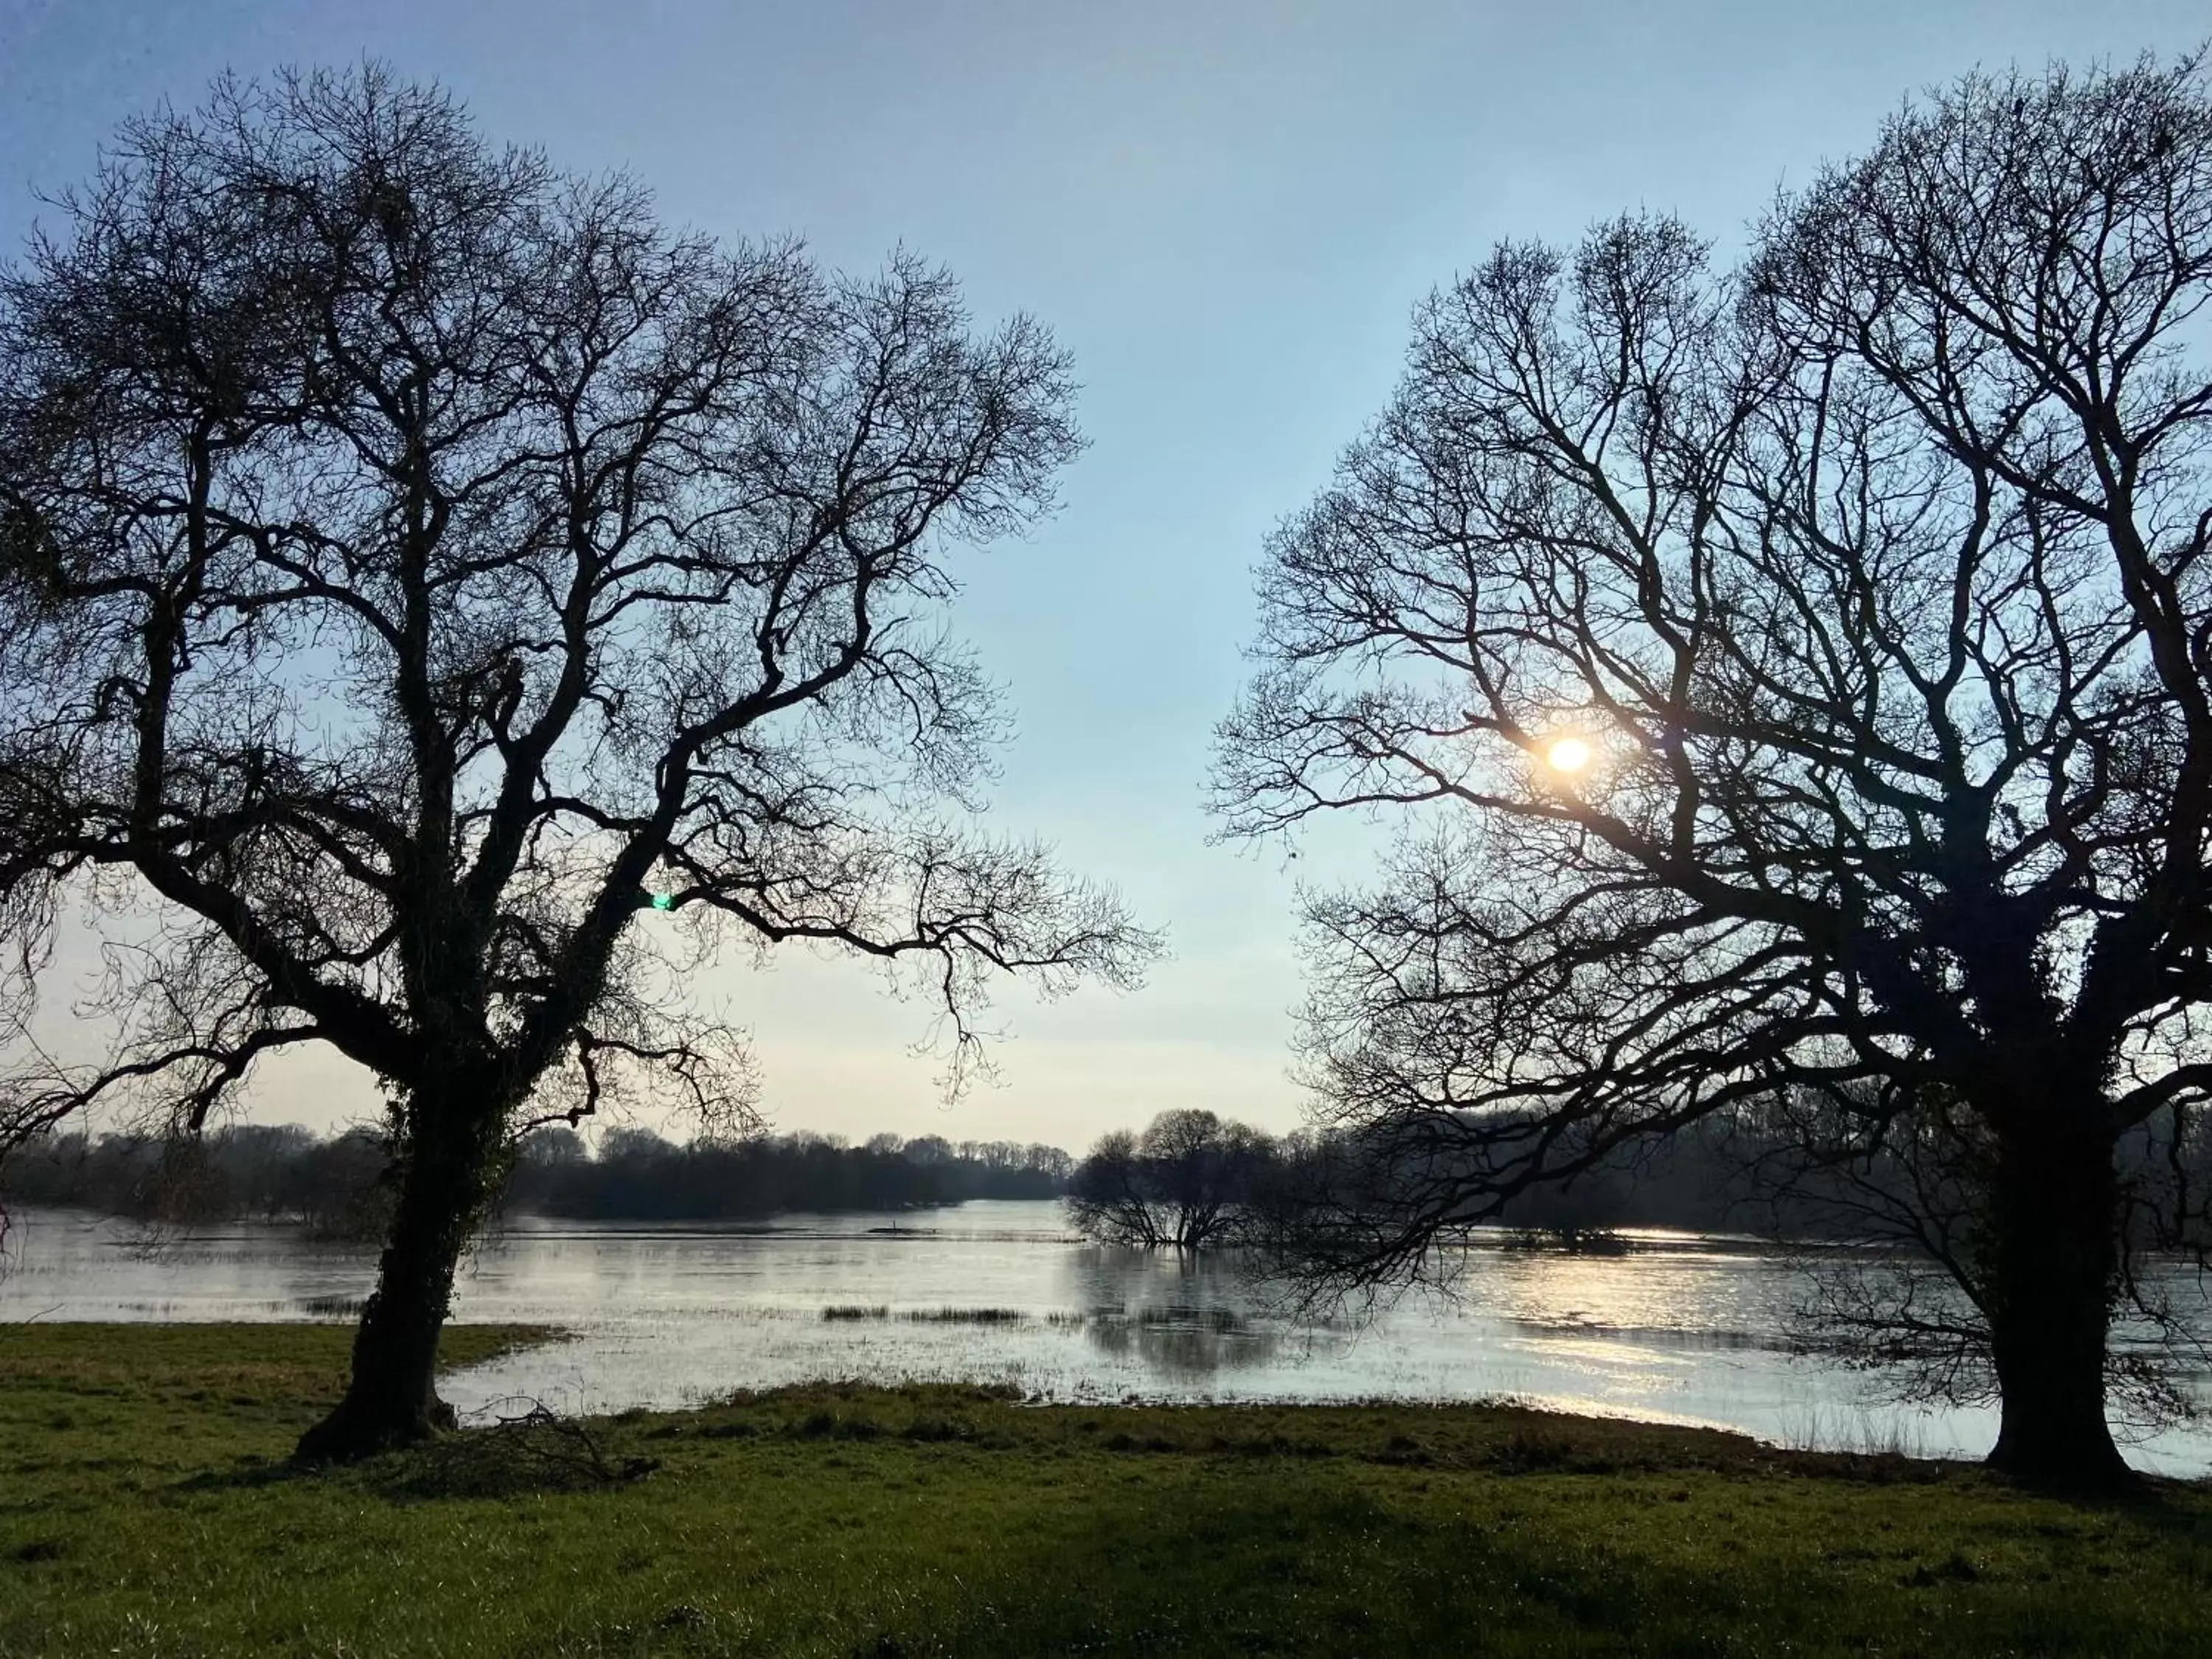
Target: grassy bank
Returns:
[144, 1509]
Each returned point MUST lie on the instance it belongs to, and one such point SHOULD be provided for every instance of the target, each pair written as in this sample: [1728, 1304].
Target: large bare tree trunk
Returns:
[392, 1399]
[2054, 1246]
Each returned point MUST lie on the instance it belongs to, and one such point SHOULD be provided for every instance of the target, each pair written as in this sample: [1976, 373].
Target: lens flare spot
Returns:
[1567, 755]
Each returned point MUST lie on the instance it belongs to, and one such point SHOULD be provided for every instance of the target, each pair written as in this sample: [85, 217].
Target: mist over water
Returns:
[1687, 1329]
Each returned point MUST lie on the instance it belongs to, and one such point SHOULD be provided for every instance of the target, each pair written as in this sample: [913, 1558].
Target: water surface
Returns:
[1689, 1330]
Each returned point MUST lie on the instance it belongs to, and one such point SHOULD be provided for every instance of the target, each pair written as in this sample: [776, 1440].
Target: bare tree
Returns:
[1796, 685]
[415, 561]
[1107, 1197]
[1187, 1182]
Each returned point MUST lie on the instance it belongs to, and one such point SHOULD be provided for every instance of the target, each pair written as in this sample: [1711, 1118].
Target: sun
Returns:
[1567, 755]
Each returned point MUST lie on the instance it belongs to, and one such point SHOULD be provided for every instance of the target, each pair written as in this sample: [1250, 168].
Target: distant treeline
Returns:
[1189, 1177]
[638, 1175]
[278, 1174]
[335, 1185]
[1190, 1180]
[1736, 1174]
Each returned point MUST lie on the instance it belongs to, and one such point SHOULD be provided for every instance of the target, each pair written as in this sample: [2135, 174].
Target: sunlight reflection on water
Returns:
[1001, 1293]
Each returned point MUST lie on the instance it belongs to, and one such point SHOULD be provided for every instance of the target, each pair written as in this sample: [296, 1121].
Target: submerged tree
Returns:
[416, 563]
[1798, 683]
[1188, 1181]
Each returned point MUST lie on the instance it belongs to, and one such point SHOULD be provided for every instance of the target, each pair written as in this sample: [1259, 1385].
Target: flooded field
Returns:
[1687, 1329]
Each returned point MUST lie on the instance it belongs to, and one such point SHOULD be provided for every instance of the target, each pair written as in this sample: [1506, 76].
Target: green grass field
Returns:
[145, 1508]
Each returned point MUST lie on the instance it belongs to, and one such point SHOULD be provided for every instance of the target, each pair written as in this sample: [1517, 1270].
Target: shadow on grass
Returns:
[256, 1472]
[1319, 1570]
[536, 1453]
[940, 1520]
[1318, 1564]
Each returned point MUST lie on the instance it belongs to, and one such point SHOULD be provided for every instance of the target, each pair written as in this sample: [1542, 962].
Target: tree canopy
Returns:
[1797, 683]
[412, 558]
[1188, 1180]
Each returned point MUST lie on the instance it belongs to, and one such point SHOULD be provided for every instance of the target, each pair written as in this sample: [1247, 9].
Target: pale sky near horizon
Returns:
[1226, 212]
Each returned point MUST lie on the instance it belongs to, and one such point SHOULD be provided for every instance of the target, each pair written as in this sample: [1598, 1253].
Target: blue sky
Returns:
[1225, 208]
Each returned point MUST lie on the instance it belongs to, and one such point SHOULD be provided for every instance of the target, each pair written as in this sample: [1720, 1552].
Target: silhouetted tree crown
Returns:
[1188, 1180]
[411, 556]
[1796, 685]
